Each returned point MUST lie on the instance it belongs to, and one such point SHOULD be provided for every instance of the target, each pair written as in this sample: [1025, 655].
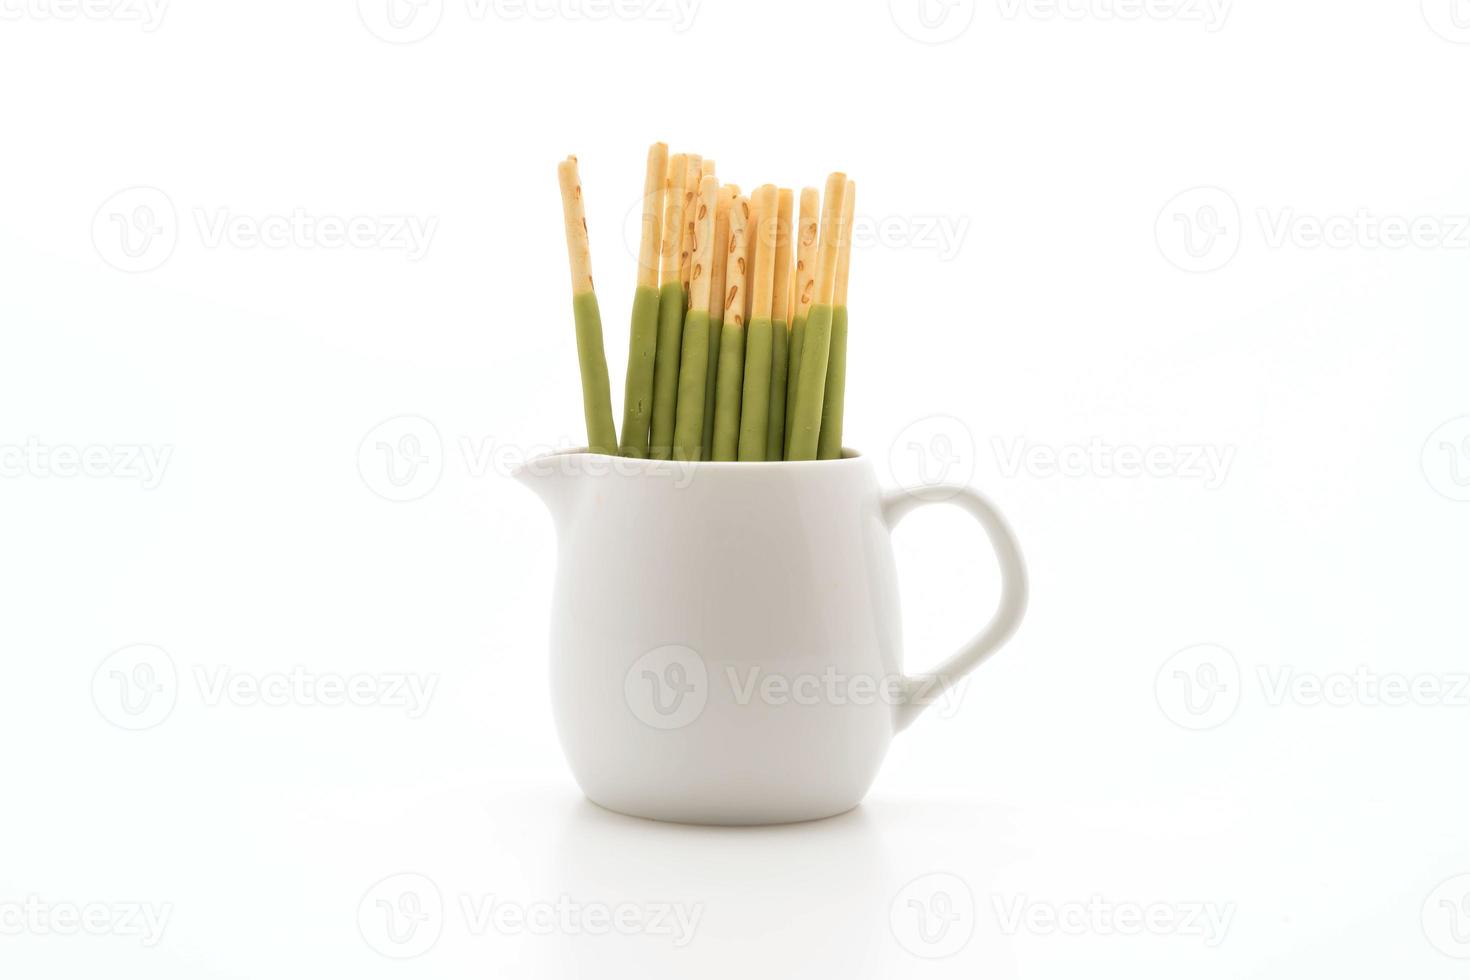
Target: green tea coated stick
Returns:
[720, 255]
[815, 346]
[793, 374]
[780, 332]
[638, 393]
[829, 440]
[672, 303]
[694, 360]
[804, 292]
[829, 444]
[811, 384]
[643, 337]
[755, 401]
[707, 433]
[602, 437]
[729, 378]
[776, 410]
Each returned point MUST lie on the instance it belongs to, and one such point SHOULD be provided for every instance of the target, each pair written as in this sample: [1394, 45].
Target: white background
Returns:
[1080, 310]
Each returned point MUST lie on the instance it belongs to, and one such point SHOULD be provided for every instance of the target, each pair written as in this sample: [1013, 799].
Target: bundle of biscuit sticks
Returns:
[738, 348]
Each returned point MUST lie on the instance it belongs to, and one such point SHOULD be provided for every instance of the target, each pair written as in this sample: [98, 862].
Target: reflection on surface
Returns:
[809, 893]
[894, 888]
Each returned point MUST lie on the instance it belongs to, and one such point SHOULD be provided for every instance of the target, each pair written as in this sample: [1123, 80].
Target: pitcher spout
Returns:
[551, 482]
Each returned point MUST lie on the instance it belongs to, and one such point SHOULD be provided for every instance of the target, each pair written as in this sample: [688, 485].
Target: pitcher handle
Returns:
[919, 691]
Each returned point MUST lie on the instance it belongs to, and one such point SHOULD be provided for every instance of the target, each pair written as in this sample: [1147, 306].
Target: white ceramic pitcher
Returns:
[725, 638]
